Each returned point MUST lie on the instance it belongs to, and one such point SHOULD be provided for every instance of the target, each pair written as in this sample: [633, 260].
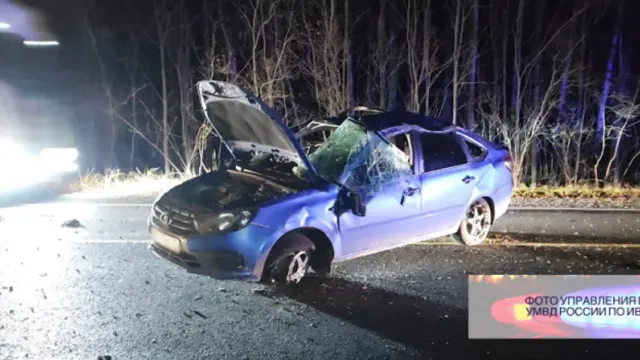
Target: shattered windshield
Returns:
[364, 156]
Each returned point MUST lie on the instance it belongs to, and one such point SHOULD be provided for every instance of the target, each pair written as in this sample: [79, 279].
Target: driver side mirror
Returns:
[357, 204]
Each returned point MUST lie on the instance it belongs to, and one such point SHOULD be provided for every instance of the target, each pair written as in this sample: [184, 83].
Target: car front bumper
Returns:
[234, 256]
[209, 264]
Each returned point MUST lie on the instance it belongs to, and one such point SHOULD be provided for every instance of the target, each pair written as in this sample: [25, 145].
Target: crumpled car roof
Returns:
[389, 119]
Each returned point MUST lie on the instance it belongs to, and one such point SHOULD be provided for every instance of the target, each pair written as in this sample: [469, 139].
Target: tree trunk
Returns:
[536, 95]
[600, 119]
[471, 105]
[456, 60]
[580, 105]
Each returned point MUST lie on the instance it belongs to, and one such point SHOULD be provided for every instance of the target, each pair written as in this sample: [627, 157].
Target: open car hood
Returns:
[243, 122]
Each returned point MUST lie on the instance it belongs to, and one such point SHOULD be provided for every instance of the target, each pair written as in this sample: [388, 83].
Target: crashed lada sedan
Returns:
[273, 213]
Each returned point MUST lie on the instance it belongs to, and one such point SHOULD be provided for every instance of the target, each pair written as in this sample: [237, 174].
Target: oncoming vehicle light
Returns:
[59, 160]
[22, 168]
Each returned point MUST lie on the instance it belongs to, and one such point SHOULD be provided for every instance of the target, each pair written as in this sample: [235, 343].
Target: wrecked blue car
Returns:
[273, 212]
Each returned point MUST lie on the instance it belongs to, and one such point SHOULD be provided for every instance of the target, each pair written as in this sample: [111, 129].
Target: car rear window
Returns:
[442, 151]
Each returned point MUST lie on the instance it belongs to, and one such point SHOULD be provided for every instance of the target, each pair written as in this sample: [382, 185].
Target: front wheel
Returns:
[475, 225]
[290, 260]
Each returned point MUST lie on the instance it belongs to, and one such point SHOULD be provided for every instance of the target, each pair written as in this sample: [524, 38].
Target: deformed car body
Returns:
[381, 180]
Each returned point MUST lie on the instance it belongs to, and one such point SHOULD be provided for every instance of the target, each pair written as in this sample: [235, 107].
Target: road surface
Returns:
[79, 293]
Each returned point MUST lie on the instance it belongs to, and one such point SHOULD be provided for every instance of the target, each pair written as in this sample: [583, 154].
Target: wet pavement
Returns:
[84, 291]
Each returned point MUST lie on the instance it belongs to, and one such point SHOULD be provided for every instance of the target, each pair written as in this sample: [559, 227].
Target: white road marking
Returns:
[106, 241]
[517, 209]
[574, 210]
[119, 205]
[428, 243]
[538, 244]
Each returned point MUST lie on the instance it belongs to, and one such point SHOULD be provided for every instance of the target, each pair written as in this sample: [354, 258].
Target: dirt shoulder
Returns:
[579, 197]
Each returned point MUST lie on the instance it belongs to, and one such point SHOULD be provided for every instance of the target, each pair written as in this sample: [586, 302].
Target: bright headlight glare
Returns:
[224, 222]
[10, 148]
[63, 154]
[59, 160]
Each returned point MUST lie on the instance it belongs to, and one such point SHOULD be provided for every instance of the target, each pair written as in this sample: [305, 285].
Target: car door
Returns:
[447, 180]
[392, 207]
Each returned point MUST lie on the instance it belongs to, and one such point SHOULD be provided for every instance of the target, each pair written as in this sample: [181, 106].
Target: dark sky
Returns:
[67, 79]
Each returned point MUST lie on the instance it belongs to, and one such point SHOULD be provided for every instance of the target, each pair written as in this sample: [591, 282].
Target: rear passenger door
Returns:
[448, 178]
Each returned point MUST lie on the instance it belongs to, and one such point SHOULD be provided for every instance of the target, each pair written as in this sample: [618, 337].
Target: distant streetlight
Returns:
[27, 23]
[4, 26]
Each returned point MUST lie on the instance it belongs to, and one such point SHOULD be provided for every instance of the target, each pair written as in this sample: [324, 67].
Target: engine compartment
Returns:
[224, 189]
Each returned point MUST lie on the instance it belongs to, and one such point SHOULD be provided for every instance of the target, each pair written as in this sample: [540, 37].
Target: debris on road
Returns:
[199, 314]
[259, 291]
[73, 223]
[195, 312]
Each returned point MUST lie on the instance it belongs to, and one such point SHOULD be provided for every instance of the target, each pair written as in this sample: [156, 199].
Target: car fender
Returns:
[304, 217]
[482, 189]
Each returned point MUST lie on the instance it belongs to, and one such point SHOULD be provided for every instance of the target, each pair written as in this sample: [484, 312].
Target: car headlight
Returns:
[224, 222]
[59, 160]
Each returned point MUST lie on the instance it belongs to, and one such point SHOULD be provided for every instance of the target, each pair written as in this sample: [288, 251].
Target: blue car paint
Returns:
[435, 210]
[434, 207]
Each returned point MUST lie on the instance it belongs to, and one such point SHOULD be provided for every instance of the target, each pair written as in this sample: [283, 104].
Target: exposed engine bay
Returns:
[224, 189]
[243, 189]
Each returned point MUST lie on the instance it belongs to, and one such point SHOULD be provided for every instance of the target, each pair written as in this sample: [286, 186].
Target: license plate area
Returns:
[166, 241]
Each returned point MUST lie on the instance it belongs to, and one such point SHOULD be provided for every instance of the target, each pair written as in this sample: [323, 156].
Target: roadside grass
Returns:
[114, 182]
[155, 181]
[578, 192]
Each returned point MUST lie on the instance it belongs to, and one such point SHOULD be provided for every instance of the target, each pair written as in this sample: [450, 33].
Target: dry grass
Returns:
[117, 183]
[578, 191]
[153, 181]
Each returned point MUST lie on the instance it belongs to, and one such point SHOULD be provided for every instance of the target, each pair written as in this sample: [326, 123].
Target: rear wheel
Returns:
[475, 225]
[290, 259]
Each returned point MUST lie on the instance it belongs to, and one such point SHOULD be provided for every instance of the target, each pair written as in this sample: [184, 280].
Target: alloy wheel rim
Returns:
[298, 267]
[478, 222]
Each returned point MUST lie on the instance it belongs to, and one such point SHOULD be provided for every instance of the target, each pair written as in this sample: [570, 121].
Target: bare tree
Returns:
[459, 19]
[271, 40]
[326, 58]
[627, 111]
[422, 47]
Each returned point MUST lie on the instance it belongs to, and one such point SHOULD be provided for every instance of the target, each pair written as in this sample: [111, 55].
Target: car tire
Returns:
[476, 224]
[289, 260]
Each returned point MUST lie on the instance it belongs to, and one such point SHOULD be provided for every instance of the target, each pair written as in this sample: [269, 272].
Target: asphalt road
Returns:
[78, 293]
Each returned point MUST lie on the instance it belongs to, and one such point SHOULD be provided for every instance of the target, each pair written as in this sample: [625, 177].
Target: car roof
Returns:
[379, 120]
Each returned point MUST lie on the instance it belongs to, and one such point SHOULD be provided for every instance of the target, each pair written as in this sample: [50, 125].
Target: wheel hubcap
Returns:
[478, 221]
[298, 267]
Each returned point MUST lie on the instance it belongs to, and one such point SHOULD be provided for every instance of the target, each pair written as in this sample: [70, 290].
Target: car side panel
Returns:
[497, 182]
[445, 196]
[502, 189]
[309, 209]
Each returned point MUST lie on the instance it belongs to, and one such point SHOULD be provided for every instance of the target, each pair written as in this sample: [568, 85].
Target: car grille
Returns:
[175, 220]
